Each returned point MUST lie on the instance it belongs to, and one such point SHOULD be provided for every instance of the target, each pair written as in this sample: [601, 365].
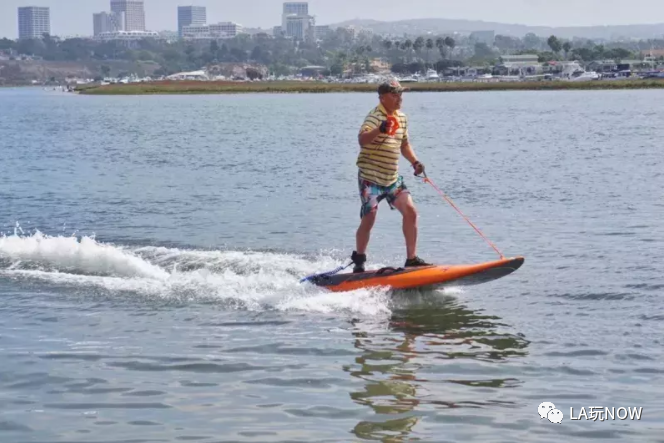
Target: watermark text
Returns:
[601, 413]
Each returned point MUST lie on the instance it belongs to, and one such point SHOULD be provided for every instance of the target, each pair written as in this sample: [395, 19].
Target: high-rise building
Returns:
[297, 8]
[191, 16]
[134, 13]
[300, 27]
[33, 22]
[296, 21]
[108, 22]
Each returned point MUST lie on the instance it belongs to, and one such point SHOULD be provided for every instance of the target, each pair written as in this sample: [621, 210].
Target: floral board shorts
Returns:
[371, 194]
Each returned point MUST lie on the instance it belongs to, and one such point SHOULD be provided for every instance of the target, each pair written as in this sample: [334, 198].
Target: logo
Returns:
[595, 413]
[548, 410]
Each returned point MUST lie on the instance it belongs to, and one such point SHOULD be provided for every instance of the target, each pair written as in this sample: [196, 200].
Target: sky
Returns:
[74, 17]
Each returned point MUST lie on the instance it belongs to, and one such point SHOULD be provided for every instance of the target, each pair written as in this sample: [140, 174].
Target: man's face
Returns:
[391, 101]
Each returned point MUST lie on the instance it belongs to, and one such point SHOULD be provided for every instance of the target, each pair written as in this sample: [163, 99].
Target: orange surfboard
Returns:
[434, 276]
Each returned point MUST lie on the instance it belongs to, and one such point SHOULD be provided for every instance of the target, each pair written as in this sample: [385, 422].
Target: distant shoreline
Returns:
[227, 87]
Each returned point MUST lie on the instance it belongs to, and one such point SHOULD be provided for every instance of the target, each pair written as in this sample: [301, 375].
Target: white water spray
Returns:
[252, 280]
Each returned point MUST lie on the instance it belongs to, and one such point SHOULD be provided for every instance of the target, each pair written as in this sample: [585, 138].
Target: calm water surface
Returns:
[152, 249]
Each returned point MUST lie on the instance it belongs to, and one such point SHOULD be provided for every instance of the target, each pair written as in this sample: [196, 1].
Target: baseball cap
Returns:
[390, 86]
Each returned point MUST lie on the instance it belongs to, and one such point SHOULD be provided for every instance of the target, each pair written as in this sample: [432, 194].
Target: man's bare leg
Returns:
[404, 203]
[363, 233]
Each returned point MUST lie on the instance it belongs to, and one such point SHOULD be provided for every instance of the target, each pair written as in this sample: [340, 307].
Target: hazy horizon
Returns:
[74, 17]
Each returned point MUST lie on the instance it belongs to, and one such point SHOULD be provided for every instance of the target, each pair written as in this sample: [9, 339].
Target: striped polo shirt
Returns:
[378, 161]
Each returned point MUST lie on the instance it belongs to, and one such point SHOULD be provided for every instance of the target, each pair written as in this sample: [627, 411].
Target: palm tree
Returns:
[567, 46]
[429, 46]
[450, 43]
[418, 45]
[397, 46]
[359, 51]
[406, 46]
[342, 56]
[440, 44]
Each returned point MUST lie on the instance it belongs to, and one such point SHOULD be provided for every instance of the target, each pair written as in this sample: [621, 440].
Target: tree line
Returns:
[340, 51]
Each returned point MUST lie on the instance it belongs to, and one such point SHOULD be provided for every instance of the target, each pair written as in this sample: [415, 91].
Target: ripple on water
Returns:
[150, 292]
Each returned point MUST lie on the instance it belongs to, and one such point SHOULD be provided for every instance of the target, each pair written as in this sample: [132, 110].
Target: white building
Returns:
[196, 32]
[104, 22]
[134, 13]
[33, 22]
[212, 31]
[191, 16]
[321, 32]
[227, 29]
[127, 35]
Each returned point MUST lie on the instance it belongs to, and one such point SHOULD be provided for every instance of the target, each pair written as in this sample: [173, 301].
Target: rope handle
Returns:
[325, 274]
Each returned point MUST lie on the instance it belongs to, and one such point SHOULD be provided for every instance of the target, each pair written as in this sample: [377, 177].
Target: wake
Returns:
[246, 279]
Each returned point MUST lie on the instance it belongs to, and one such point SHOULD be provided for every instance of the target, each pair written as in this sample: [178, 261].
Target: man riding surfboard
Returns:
[383, 137]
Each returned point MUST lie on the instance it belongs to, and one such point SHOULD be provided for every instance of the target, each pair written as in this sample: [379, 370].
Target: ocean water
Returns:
[152, 248]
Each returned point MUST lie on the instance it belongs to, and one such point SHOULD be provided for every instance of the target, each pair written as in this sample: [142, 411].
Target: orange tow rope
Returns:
[428, 180]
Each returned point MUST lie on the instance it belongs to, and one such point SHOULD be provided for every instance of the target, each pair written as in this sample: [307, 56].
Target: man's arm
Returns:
[371, 128]
[368, 135]
[406, 148]
[407, 151]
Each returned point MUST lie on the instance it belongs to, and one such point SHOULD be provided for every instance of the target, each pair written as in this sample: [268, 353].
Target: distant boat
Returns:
[575, 73]
[432, 75]
[653, 74]
[582, 76]
[409, 79]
